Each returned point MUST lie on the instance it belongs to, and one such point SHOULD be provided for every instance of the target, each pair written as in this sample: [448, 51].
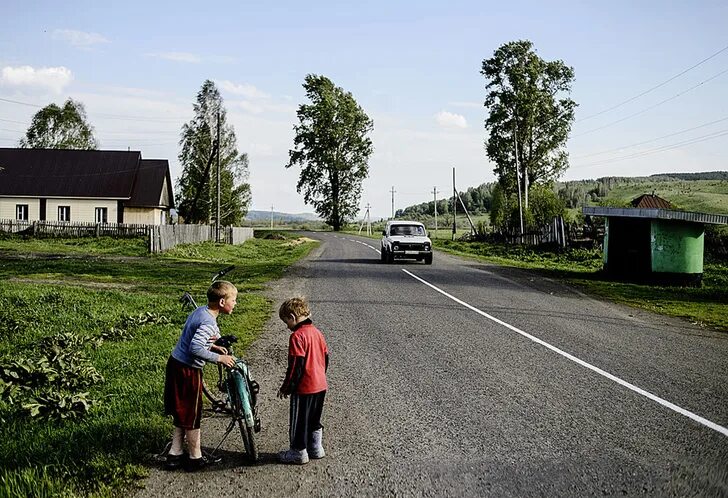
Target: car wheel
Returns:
[383, 253]
[428, 259]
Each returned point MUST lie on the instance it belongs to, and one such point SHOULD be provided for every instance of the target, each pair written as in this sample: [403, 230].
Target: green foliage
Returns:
[62, 308]
[56, 127]
[524, 107]
[332, 147]
[51, 383]
[544, 205]
[196, 190]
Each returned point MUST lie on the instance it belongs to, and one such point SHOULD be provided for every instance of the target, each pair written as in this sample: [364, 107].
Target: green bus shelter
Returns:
[655, 244]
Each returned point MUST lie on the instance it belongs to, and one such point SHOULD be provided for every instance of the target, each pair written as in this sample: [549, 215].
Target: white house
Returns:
[96, 186]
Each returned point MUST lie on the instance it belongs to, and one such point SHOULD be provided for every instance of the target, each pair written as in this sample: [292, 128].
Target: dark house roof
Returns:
[651, 201]
[147, 190]
[83, 173]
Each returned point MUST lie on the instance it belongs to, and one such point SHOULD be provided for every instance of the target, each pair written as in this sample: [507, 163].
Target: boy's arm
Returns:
[198, 346]
[326, 367]
[294, 373]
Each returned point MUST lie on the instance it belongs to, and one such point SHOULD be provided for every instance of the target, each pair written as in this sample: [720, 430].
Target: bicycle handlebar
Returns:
[223, 272]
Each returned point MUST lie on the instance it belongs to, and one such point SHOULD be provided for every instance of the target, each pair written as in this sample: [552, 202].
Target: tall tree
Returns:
[197, 186]
[529, 105]
[332, 147]
[56, 127]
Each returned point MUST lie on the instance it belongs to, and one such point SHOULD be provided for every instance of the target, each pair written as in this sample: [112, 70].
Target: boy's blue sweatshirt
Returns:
[198, 335]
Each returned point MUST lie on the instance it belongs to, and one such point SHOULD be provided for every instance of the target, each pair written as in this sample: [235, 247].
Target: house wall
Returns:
[145, 216]
[677, 247]
[7, 207]
[82, 210]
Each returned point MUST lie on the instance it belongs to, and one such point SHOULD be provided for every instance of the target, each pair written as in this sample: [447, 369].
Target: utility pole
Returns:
[435, 193]
[518, 176]
[454, 205]
[393, 192]
[271, 216]
[368, 221]
[217, 215]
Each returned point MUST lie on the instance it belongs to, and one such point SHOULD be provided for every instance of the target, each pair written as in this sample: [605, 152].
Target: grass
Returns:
[708, 196]
[704, 306]
[98, 286]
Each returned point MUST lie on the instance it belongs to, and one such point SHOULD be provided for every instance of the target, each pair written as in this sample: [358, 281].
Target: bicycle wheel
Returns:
[244, 414]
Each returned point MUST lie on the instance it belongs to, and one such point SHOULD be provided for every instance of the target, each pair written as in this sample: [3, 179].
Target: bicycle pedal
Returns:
[254, 387]
[256, 425]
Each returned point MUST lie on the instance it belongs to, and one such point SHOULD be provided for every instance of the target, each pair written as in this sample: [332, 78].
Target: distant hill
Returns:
[286, 217]
[704, 192]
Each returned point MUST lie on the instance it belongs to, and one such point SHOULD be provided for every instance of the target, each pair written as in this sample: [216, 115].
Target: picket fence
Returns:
[161, 237]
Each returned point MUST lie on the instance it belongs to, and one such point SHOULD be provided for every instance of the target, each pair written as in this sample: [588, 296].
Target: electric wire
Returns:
[652, 106]
[619, 149]
[664, 148]
[654, 87]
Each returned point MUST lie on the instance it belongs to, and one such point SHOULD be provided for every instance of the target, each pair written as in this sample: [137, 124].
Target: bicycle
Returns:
[242, 392]
[238, 390]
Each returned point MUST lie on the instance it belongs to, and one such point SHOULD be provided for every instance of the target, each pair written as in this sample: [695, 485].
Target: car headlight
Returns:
[427, 247]
[396, 247]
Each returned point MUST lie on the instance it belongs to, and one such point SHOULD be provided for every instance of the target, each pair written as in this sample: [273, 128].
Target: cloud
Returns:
[47, 78]
[244, 89]
[450, 120]
[79, 39]
[468, 105]
[176, 56]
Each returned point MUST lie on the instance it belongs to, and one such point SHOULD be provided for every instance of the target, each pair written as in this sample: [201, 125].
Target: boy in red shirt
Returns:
[305, 382]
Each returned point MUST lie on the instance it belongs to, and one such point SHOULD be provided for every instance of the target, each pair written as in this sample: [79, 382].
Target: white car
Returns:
[406, 240]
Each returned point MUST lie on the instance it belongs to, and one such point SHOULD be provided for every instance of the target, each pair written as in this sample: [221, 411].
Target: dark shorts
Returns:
[183, 394]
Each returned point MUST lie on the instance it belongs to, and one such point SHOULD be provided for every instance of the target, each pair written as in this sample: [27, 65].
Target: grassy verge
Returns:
[96, 319]
[705, 306]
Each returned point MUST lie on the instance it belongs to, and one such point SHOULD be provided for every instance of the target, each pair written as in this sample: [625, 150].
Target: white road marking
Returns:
[638, 390]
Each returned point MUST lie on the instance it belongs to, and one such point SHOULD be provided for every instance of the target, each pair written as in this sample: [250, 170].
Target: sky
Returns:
[413, 66]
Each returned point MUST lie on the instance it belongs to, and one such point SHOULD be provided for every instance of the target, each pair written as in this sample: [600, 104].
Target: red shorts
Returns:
[183, 394]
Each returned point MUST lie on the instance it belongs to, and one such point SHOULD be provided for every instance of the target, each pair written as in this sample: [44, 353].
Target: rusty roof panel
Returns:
[651, 201]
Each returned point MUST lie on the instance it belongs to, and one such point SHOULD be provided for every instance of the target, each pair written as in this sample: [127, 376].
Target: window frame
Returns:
[64, 209]
[101, 210]
[22, 212]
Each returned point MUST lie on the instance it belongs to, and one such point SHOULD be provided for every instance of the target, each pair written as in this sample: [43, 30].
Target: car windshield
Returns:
[407, 230]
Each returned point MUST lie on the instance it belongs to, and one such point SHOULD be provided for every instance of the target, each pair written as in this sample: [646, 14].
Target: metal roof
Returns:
[67, 173]
[660, 214]
[149, 182]
[651, 201]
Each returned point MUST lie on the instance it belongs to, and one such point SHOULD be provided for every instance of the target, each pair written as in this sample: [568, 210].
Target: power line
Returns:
[655, 87]
[664, 148]
[652, 106]
[617, 149]
[101, 115]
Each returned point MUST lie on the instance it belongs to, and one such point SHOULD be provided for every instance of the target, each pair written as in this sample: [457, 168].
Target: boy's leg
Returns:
[298, 421]
[178, 439]
[193, 443]
[315, 438]
[297, 433]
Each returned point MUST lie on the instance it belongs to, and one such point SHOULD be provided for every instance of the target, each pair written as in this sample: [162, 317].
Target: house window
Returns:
[21, 212]
[64, 213]
[101, 215]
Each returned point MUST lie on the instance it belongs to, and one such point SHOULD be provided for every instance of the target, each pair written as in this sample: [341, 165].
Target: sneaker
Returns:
[298, 457]
[174, 462]
[195, 464]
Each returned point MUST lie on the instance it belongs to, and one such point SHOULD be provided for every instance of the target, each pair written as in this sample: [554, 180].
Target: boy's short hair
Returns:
[296, 306]
[222, 289]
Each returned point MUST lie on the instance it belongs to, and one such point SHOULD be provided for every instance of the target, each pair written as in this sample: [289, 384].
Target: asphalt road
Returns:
[466, 379]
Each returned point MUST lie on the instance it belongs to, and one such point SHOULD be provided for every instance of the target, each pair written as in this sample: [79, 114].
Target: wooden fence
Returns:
[46, 229]
[161, 237]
